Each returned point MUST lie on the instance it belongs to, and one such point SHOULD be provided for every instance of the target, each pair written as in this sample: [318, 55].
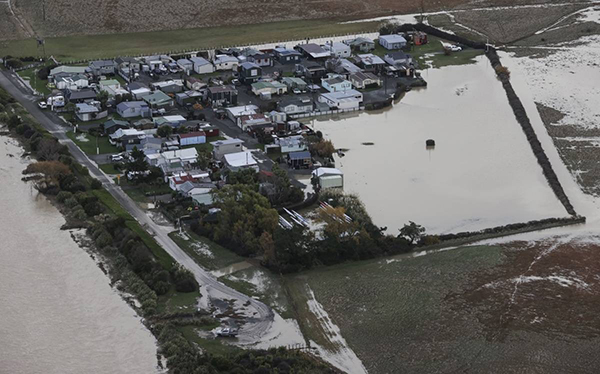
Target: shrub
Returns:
[500, 70]
[63, 195]
[104, 240]
[96, 184]
[79, 214]
[71, 202]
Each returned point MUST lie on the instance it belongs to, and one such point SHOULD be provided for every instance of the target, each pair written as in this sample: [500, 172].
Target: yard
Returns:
[206, 253]
[91, 145]
[75, 48]
[39, 85]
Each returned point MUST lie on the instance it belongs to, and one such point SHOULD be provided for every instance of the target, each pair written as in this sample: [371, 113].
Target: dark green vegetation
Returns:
[166, 292]
[391, 312]
[80, 47]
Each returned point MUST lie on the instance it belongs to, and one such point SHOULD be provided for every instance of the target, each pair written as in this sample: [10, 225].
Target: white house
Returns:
[338, 49]
[73, 83]
[87, 112]
[202, 65]
[350, 99]
[223, 147]
[294, 143]
[393, 41]
[361, 80]
[296, 105]
[225, 62]
[269, 88]
[191, 138]
[329, 177]
[234, 113]
[186, 65]
[241, 160]
[182, 156]
[335, 83]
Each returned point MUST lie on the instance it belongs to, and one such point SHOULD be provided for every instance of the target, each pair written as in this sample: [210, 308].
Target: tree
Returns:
[164, 131]
[47, 173]
[323, 148]
[412, 232]
[337, 225]
[102, 97]
[203, 159]
[137, 165]
[70, 107]
[48, 149]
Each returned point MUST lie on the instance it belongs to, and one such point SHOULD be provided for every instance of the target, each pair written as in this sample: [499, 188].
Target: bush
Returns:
[184, 280]
[14, 64]
[500, 70]
[104, 240]
[71, 202]
[79, 214]
[63, 195]
[96, 184]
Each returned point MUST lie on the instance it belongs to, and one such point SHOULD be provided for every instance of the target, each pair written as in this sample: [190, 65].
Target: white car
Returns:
[296, 91]
[43, 105]
[455, 48]
[228, 332]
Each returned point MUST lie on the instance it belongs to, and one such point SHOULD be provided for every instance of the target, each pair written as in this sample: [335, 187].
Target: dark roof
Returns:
[82, 94]
[398, 55]
[218, 89]
[302, 155]
[249, 65]
[136, 85]
[115, 122]
[312, 48]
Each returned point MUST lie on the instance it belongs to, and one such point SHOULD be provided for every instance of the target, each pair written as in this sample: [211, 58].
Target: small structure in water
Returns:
[430, 143]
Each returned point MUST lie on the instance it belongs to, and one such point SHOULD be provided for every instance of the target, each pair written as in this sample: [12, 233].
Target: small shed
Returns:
[299, 160]
[329, 177]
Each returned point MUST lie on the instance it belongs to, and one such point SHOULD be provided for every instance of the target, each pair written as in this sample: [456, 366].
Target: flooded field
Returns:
[58, 312]
[482, 172]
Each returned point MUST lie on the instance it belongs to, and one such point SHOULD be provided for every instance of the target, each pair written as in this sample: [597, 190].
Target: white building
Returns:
[202, 65]
[338, 49]
[225, 62]
[329, 177]
[223, 147]
[241, 160]
[234, 113]
[182, 156]
[350, 99]
[393, 41]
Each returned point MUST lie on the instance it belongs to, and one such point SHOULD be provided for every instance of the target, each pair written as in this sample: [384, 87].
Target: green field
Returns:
[391, 312]
[81, 47]
[109, 169]
[220, 257]
[38, 84]
[90, 147]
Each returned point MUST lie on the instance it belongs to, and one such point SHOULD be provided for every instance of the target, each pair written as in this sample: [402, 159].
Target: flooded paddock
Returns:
[481, 172]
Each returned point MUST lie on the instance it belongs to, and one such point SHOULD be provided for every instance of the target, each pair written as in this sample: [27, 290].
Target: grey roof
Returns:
[334, 80]
[363, 76]
[398, 55]
[82, 94]
[200, 61]
[312, 48]
[299, 155]
[115, 122]
[86, 108]
[249, 65]
[184, 61]
[131, 104]
[227, 141]
[102, 63]
[136, 85]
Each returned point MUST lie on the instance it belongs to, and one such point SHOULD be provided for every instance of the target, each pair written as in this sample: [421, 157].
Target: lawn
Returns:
[206, 253]
[211, 345]
[109, 169]
[38, 84]
[174, 302]
[399, 309]
[90, 147]
[78, 47]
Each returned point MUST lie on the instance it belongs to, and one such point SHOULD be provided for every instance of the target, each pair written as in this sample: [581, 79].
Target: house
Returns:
[286, 56]
[335, 83]
[268, 88]
[259, 58]
[158, 99]
[170, 86]
[313, 51]
[202, 65]
[210, 130]
[370, 62]
[84, 95]
[112, 125]
[130, 109]
[189, 188]
[67, 71]
[342, 66]
[294, 83]
[253, 121]
[222, 95]
[130, 63]
[86, 112]
[149, 145]
[296, 105]
[138, 90]
[202, 193]
[250, 72]
[173, 121]
[361, 44]
[225, 62]
[350, 99]
[124, 137]
[186, 65]
[294, 143]
[71, 82]
[337, 49]
[236, 112]
[111, 86]
[277, 117]
[194, 83]
[188, 98]
[227, 146]
[393, 41]
[299, 160]
[102, 67]
[329, 178]
[398, 59]
[240, 161]
[362, 80]
[311, 70]
[182, 157]
[191, 138]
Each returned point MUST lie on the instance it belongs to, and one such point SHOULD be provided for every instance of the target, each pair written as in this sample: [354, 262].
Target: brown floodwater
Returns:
[58, 313]
[481, 172]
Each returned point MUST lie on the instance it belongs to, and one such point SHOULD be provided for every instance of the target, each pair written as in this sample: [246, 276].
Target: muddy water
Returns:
[482, 172]
[58, 313]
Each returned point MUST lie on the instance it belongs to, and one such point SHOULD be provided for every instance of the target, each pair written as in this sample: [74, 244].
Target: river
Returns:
[481, 173]
[58, 312]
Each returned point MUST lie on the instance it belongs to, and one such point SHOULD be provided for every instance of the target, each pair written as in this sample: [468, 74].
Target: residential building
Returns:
[362, 80]
[112, 125]
[194, 83]
[335, 83]
[169, 86]
[149, 145]
[296, 105]
[286, 56]
[249, 122]
[393, 41]
[227, 146]
[277, 117]
[346, 100]
[361, 44]
[225, 62]
[158, 100]
[313, 51]
[102, 67]
[87, 112]
[223, 95]
[182, 157]
[269, 88]
[81, 96]
[131, 109]
[240, 161]
[398, 59]
[294, 143]
[299, 160]
[337, 49]
[188, 98]
[202, 65]
[112, 87]
[250, 72]
[370, 62]
[186, 65]
[74, 82]
[234, 113]
[124, 137]
[311, 71]
[173, 121]
[329, 178]
[294, 83]
[66, 71]
[128, 63]
[191, 138]
[261, 59]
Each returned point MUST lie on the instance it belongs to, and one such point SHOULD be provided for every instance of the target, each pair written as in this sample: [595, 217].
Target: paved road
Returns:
[262, 316]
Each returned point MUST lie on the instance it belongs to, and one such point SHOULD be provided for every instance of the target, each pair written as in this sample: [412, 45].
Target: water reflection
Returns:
[482, 172]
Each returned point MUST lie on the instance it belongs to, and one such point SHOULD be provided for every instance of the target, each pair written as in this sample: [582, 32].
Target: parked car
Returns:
[296, 91]
[455, 48]
[227, 332]
[43, 105]
[117, 158]
[236, 82]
